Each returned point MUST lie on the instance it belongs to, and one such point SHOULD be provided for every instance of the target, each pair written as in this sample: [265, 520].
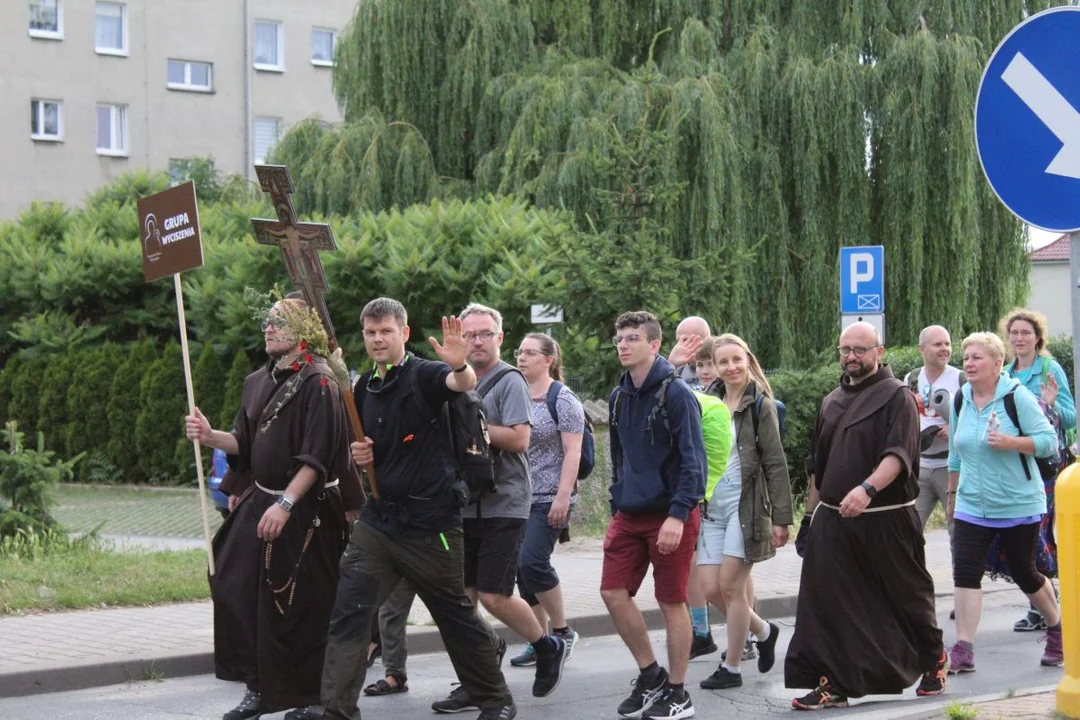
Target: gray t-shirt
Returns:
[507, 404]
[545, 444]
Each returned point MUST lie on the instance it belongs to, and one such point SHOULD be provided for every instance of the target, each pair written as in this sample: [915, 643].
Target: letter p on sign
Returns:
[862, 269]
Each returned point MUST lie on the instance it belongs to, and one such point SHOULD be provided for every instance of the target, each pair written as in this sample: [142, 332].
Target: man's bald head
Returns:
[861, 334]
[935, 346]
[693, 325]
[860, 351]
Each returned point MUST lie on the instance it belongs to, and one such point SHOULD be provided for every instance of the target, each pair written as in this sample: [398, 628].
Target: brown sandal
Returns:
[381, 687]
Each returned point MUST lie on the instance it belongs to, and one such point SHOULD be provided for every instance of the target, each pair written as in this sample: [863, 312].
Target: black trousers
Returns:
[371, 567]
[971, 542]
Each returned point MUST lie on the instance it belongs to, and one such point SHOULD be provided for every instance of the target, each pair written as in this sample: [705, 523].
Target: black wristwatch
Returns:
[462, 369]
[870, 489]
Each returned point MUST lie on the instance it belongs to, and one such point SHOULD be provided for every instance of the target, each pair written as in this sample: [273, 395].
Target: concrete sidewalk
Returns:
[70, 650]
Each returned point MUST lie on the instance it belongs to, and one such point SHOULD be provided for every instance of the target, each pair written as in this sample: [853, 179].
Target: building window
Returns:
[267, 133]
[322, 47]
[111, 38]
[46, 120]
[46, 19]
[189, 75]
[269, 45]
[112, 134]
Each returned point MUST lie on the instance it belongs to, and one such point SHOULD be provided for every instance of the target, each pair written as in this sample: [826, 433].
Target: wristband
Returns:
[870, 490]
[462, 369]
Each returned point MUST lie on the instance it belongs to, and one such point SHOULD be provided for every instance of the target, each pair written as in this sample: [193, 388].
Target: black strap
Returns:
[553, 400]
[1010, 409]
[490, 384]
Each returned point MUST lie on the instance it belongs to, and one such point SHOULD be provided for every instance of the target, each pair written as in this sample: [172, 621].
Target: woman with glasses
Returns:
[1040, 373]
[749, 508]
[994, 492]
[554, 455]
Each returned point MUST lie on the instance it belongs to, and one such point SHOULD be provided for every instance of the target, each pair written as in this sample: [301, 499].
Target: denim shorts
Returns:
[721, 534]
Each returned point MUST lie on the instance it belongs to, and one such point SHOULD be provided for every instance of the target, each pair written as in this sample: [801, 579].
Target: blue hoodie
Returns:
[657, 471]
[992, 482]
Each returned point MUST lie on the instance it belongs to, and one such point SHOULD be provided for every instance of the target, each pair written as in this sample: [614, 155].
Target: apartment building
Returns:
[91, 89]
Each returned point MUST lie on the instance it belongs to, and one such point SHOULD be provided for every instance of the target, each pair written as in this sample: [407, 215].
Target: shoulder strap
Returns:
[661, 399]
[755, 416]
[1010, 410]
[553, 401]
[957, 403]
[490, 384]
[614, 406]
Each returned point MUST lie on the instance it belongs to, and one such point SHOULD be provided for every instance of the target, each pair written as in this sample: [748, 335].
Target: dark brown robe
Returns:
[272, 601]
[866, 617]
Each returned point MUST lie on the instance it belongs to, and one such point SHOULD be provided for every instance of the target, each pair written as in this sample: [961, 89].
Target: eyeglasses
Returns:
[275, 321]
[1021, 333]
[529, 352]
[857, 352]
[484, 335]
[632, 339]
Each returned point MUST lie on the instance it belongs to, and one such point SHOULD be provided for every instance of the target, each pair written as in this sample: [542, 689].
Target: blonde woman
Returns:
[749, 508]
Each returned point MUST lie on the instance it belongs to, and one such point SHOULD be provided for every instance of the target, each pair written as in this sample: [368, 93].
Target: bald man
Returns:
[689, 335]
[866, 621]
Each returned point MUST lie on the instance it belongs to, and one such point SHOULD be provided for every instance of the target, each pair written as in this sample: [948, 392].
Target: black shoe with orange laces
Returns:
[821, 697]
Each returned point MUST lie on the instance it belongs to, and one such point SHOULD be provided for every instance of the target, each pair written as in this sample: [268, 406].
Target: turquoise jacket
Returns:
[1032, 379]
[992, 482]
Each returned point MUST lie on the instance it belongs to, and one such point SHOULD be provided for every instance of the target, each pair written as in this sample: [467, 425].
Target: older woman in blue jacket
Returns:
[995, 490]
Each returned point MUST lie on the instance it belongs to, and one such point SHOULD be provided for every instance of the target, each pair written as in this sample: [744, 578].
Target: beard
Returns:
[861, 371]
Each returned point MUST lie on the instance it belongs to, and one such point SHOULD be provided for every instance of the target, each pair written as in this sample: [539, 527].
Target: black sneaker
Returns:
[248, 709]
[670, 707]
[506, 712]
[702, 645]
[722, 679]
[643, 695]
[549, 669]
[458, 701]
[308, 712]
[767, 649]
[749, 652]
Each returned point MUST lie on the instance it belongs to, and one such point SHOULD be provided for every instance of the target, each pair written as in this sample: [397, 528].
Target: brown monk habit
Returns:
[270, 622]
[865, 617]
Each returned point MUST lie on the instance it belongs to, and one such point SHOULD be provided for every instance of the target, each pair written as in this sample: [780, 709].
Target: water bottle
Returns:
[994, 424]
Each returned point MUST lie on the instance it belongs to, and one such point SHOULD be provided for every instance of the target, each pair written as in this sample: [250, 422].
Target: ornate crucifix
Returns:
[300, 244]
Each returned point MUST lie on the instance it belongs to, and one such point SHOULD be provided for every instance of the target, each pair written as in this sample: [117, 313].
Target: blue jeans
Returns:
[535, 572]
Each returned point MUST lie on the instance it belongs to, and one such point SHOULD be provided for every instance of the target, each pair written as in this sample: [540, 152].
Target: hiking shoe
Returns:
[249, 707]
[524, 658]
[458, 701]
[933, 682]
[722, 679]
[549, 669]
[702, 645]
[767, 649]
[1031, 622]
[570, 637]
[643, 695]
[670, 706]
[821, 697]
[961, 659]
[749, 652]
[1053, 655]
[308, 712]
[506, 712]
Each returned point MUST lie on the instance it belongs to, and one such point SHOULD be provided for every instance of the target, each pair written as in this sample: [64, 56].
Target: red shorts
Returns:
[629, 547]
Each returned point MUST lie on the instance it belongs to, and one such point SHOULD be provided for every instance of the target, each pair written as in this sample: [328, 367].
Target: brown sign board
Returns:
[169, 232]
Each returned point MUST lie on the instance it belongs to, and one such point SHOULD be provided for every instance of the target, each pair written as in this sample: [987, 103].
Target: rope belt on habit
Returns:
[883, 508]
[331, 484]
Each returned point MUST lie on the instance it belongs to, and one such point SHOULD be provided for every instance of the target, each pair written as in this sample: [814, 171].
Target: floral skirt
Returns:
[1045, 547]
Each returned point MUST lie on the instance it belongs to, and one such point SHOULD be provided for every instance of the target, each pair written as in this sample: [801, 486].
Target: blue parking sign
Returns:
[862, 280]
[1027, 120]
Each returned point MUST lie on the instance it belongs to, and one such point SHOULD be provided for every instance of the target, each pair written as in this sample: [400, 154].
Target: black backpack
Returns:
[588, 436]
[781, 416]
[1048, 467]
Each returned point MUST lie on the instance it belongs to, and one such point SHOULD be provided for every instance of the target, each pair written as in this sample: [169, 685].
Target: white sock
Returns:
[732, 669]
[764, 634]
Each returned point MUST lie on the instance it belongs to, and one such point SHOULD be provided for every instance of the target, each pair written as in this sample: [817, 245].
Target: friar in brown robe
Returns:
[866, 620]
[277, 566]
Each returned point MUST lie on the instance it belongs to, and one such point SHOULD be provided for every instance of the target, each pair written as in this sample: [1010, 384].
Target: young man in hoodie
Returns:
[659, 469]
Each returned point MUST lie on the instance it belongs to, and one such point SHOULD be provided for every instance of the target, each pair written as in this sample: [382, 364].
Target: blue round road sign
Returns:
[1027, 120]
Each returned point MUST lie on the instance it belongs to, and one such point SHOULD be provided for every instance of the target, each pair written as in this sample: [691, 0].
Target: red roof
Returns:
[1057, 251]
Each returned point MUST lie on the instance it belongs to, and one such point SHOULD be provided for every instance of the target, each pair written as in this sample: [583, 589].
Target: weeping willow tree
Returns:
[797, 126]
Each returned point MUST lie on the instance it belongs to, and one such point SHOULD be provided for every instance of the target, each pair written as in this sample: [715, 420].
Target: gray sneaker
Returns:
[457, 701]
[570, 637]
[749, 652]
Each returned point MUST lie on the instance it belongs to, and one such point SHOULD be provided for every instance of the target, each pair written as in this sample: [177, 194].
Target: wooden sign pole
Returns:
[191, 411]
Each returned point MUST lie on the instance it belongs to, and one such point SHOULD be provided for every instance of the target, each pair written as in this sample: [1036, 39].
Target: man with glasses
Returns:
[865, 622]
[494, 523]
[659, 469]
[277, 553]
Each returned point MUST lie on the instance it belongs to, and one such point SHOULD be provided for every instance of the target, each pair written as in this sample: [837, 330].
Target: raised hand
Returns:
[455, 345]
[684, 351]
[1049, 391]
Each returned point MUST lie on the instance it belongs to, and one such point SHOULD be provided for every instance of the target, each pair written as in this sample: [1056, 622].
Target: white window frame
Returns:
[118, 119]
[279, 123]
[123, 50]
[333, 47]
[57, 34]
[42, 137]
[267, 67]
[187, 84]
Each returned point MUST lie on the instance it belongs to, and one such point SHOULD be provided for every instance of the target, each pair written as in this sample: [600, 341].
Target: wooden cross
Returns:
[300, 242]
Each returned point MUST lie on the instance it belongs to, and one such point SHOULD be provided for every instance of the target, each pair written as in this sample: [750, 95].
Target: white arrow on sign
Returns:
[1052, 108]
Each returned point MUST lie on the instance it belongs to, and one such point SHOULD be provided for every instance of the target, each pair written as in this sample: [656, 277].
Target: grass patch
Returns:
[58, 573]
[960, 711]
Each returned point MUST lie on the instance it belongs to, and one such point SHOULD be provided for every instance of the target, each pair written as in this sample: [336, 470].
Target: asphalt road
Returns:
[597, 679]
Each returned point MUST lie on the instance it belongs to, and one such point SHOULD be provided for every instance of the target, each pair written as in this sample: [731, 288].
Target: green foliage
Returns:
[7, 380]
[159, 423]
[124, 406]
[802, 392]
[52, 399]
[28, 478]
[208, 379]
[1061, 347]
[201, 170]
[234, 388]
[25, 388]
[87, 427]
